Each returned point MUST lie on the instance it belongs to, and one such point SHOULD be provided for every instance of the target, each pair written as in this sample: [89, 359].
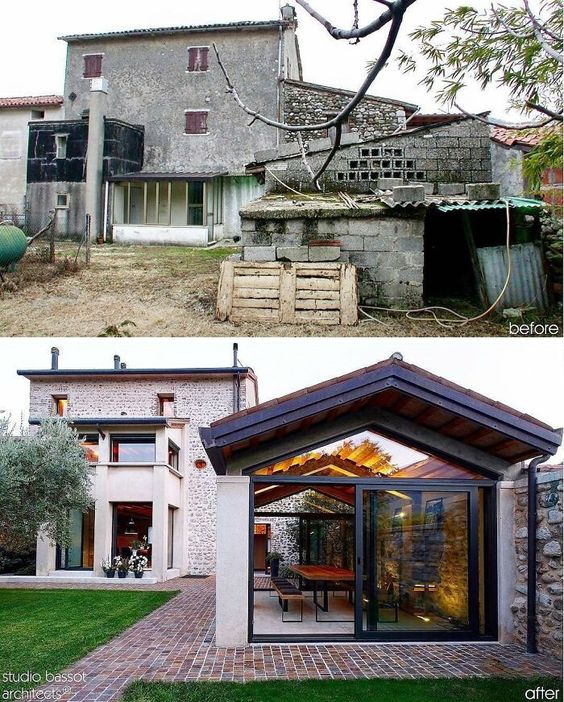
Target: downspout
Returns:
[532, 552]
[236, 380]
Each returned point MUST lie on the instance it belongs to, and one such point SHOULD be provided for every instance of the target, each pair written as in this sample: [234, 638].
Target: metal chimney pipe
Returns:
[116, 362]
[235, 355]
[54, 358]
[123, 366]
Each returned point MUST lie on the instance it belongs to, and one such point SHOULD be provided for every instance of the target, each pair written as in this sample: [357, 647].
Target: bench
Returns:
[288, 592]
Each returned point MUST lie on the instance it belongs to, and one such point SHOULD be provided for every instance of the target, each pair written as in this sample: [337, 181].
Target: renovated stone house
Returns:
[190, 181]
[151, 479]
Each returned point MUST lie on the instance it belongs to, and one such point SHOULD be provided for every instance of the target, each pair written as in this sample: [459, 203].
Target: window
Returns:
[196, 122]
[166, 405]
[176, 203]
[93, 66]
[63, 200]
[133, 448]
[60, 405]
[61, 141]
[89, 443]
[173, 452]
[38, 114]
[198, 59]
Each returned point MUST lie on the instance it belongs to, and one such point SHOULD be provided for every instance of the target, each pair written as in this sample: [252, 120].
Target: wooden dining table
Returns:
[323, 574]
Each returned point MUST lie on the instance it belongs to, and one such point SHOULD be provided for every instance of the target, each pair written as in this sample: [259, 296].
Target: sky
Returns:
[527, 374]
[36, 58]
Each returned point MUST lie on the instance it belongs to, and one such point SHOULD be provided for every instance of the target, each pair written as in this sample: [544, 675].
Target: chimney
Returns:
[116, 362]
[291, 63]
[54, 358]
[235, 355]
[288, 13]
[123, 366]
[95, 154]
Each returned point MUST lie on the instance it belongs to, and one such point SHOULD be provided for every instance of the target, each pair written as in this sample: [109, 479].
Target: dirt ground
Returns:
[163, 291]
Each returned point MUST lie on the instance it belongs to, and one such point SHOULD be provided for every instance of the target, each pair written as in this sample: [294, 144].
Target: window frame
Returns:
[196, 112]
[166, 398]
[61, 146]
[64, 206]
[57, 399]
[173, 450]
[198, 71]
[117, 439]
[128, 186]
[85, 58]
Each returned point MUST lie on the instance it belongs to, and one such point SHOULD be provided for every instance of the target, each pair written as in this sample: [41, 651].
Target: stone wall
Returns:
[202, 401]
[549, 562]
[386, 248]
[306, 103]
[447, 156]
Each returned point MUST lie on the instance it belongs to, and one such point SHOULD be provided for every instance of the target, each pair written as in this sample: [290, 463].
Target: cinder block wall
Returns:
[201, 401]
[387, 250]
[549, 562]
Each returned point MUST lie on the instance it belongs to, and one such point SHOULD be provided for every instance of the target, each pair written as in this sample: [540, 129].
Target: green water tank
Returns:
[13, 245]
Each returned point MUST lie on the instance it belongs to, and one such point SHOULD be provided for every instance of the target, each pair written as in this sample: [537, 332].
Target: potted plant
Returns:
[137, 565]
[144, 548]
[274, 558]
[108, 567]
[135, 546]
[122, 566]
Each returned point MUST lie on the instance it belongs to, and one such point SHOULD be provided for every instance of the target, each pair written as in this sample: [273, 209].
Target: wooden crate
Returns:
[288, 293]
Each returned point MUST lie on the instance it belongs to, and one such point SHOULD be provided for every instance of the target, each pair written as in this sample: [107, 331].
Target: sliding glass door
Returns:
[418, 552]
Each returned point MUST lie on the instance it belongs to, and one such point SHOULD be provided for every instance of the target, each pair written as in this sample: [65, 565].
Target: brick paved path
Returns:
[176, 642]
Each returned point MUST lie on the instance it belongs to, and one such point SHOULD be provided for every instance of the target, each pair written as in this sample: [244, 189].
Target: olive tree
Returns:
[43, 476]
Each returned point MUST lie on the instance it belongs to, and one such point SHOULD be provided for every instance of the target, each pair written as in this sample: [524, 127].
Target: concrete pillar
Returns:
[95, 154]
[46, 556]
[232, 570]
[160, 523]
[506, 566]
[103, 517]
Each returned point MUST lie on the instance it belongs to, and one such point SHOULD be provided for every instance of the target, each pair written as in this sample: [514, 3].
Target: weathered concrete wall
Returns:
[507, 169]
[387, 250]
[14, 134]
[451, 154]
[42, 197]
[201, 401]
[149, 85]
[306, 103]
[238, 191]
[158, 234]
[549, 562]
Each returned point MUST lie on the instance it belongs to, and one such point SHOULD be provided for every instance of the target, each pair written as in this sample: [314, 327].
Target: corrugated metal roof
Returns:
[527, 285]
[521, 203]
[185, 29]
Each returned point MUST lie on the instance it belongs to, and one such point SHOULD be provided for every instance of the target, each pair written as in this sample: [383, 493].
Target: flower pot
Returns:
[122, 574]
[138, 573]
[274, 567]
[110, 573]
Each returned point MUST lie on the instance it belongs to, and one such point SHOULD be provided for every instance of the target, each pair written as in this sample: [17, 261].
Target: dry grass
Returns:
[164, 291]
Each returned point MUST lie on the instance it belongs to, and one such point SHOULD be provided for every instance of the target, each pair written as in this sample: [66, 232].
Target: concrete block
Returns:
[451, 188]
[410, 245]
[352, 243]
[295, 226]
[382, 244]
[318, 254]
[259, 253]
[483, 191]
[409, 193]
[248, 225]
[257, 239]
[350, 138]
[430, 188]
[285, 239]
[389, 183]
[334, 228]
[364, 259]
[292, 253]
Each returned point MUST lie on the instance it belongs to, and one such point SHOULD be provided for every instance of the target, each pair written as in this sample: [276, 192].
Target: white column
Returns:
[102, 519]
[506, 572]
[95, 154]
[232, 569]
[160, 523]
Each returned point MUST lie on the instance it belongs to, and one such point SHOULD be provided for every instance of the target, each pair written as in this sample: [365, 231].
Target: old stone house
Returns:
[16, 113]
[191, 180]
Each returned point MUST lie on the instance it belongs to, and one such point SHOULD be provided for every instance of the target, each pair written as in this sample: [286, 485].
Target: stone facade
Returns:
[306, 103]
[200, 400]
[445, 157]
[385, 246]
[549, 562]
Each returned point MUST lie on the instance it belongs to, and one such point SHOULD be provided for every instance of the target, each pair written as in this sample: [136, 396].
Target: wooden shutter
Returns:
[198, 58]
[196, 123]
[93, 66]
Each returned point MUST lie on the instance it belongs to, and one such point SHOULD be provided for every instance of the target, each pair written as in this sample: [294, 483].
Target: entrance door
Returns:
[418, 564]
[79, 554]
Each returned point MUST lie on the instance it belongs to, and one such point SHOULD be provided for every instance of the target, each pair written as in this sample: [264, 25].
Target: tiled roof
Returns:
[520, 137]
[32, 101]
[224, 26]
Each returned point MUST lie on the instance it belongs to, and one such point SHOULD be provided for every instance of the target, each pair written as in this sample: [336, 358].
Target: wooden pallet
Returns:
[288, 293]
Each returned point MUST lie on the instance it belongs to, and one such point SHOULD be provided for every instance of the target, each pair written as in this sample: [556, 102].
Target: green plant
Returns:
[121, 329]
[273, 556]
[136, 543]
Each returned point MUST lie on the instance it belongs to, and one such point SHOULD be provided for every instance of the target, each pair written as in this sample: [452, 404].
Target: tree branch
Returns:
[557, 116]
[507, 125]
[361, 32]
[537, 29]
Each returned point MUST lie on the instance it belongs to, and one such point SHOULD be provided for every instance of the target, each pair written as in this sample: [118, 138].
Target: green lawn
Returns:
[46, 630]
[438, 690]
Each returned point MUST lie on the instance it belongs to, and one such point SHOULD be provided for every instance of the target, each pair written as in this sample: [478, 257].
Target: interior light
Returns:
[424, 619]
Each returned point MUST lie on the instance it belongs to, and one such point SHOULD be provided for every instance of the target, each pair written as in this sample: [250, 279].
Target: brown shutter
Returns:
[191, 59]
[93, 66]
[204, 59]
[196, 122]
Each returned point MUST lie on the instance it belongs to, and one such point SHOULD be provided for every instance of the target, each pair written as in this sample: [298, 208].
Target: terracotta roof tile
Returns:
[521, 137]
[32, 101]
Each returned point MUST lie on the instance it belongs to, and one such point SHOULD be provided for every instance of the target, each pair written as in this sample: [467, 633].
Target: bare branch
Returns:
[557, 116]
[537, 29]
[52, 215]
[304, 156]
[361, 32]
[508, 125]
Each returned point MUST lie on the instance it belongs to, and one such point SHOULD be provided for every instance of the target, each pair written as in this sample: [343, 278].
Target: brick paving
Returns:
[176, 643]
